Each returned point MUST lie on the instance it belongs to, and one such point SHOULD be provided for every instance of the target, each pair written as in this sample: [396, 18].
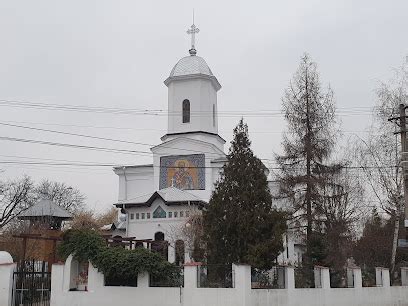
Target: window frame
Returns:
[186, 111]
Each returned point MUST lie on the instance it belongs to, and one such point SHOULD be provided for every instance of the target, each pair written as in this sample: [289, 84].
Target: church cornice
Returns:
[163, 138]
[211, 78]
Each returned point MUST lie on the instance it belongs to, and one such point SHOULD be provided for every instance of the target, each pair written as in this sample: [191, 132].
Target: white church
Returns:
[159, 198]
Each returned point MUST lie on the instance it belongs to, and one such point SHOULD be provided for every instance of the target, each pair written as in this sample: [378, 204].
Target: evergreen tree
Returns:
[240, 223]
[307, 145]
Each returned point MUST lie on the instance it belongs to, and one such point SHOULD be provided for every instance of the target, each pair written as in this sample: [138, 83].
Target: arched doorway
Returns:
[159, 245]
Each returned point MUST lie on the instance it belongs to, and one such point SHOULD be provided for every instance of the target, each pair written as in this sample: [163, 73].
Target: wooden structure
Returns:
[44, 231]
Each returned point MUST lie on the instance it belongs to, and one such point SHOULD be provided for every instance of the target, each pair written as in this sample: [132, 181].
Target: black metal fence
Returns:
[270, 279]
[339, 278]
[115, 281]
[368, 276]
[215, 276]
[32, 284]
[176, 280]
[305, 277]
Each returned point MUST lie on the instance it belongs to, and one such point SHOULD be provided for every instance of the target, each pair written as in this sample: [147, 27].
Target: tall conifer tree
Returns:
[240, 223]
[308, 144]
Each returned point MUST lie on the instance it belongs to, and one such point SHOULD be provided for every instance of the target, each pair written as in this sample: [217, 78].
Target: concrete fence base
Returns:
[240, 295]
[97, 294]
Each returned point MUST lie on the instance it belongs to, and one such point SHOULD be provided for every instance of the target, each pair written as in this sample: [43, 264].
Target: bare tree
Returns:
[61, 194]
[379, 154]
[308, 143]
[340, 210]
[15, 197]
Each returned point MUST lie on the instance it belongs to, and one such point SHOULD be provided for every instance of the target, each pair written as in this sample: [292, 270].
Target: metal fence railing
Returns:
[341, 278]
[119, 281]
[269, 279]
[32, 283]
[176, 280]
[215, 276]
[304, 277]
[368, 276]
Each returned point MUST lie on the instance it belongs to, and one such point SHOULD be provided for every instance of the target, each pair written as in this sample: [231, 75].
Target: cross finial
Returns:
[192, 31]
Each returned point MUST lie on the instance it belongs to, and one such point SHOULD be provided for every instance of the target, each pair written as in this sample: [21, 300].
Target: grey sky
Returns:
[118, 53]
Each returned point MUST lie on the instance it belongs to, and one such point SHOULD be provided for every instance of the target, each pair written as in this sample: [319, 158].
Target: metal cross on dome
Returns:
[192, 31]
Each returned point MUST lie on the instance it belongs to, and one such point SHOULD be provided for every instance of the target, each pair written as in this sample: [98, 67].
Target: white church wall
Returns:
[146, 228]
[135, 181]
[185, 146]
[202, 96]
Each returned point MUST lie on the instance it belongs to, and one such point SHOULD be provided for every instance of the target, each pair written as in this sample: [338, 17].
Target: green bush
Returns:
[88, 245]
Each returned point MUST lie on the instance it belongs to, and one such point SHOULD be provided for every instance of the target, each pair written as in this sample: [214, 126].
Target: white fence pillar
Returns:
[190, 275]
[95, 279]
[58, 283]
[322, 277]
[143, 280]
[354, 279]
[242, 284]
[382, 277]
[289, 277]
[404, 276]
[6, 278]
[190, 283]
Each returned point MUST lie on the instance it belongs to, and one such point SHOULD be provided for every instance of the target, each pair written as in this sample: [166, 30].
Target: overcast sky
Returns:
[118, 53]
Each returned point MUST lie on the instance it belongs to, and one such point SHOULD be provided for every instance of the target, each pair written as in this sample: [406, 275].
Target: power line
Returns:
[92, 164]
[145, 129]
[362, 110]
[75, 134]
[104, 149]
[104, 138]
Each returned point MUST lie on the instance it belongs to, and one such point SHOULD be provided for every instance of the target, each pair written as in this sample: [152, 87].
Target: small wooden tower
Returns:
[45, 219]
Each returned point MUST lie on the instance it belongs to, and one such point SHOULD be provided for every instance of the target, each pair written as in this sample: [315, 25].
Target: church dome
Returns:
[190, 65]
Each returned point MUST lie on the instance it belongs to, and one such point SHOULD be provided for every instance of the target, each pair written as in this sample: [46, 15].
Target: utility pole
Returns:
[402, 123]
[403, 133]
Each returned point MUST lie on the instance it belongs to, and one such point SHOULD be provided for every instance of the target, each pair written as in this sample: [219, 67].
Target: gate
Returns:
[32, 283]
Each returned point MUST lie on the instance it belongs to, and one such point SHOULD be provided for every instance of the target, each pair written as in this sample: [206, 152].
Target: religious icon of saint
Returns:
[182, 178]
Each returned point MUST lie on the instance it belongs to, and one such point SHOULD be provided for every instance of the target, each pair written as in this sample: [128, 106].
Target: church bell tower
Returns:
[192, 95]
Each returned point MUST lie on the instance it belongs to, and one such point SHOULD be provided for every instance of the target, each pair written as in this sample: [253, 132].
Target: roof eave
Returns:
[168, 203]
[212, 78]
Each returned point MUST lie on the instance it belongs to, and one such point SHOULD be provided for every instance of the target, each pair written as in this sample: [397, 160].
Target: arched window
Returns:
[159, 245]
[159, 236]
[186, 111]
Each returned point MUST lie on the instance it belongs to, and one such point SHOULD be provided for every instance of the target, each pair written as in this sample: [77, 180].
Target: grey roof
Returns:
[192, 67]
[45, 208]
[169, 195]
[133, 166]
[173, 194]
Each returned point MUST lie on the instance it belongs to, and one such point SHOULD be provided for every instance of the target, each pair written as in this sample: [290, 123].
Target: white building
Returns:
[159, 197]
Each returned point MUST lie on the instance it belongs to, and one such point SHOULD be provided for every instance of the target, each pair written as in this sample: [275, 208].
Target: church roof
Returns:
[192, 66]
[45, 208]
[170, 195]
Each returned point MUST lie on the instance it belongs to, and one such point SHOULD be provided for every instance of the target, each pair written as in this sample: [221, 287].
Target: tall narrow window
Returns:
[186, 111]
[214, 115]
